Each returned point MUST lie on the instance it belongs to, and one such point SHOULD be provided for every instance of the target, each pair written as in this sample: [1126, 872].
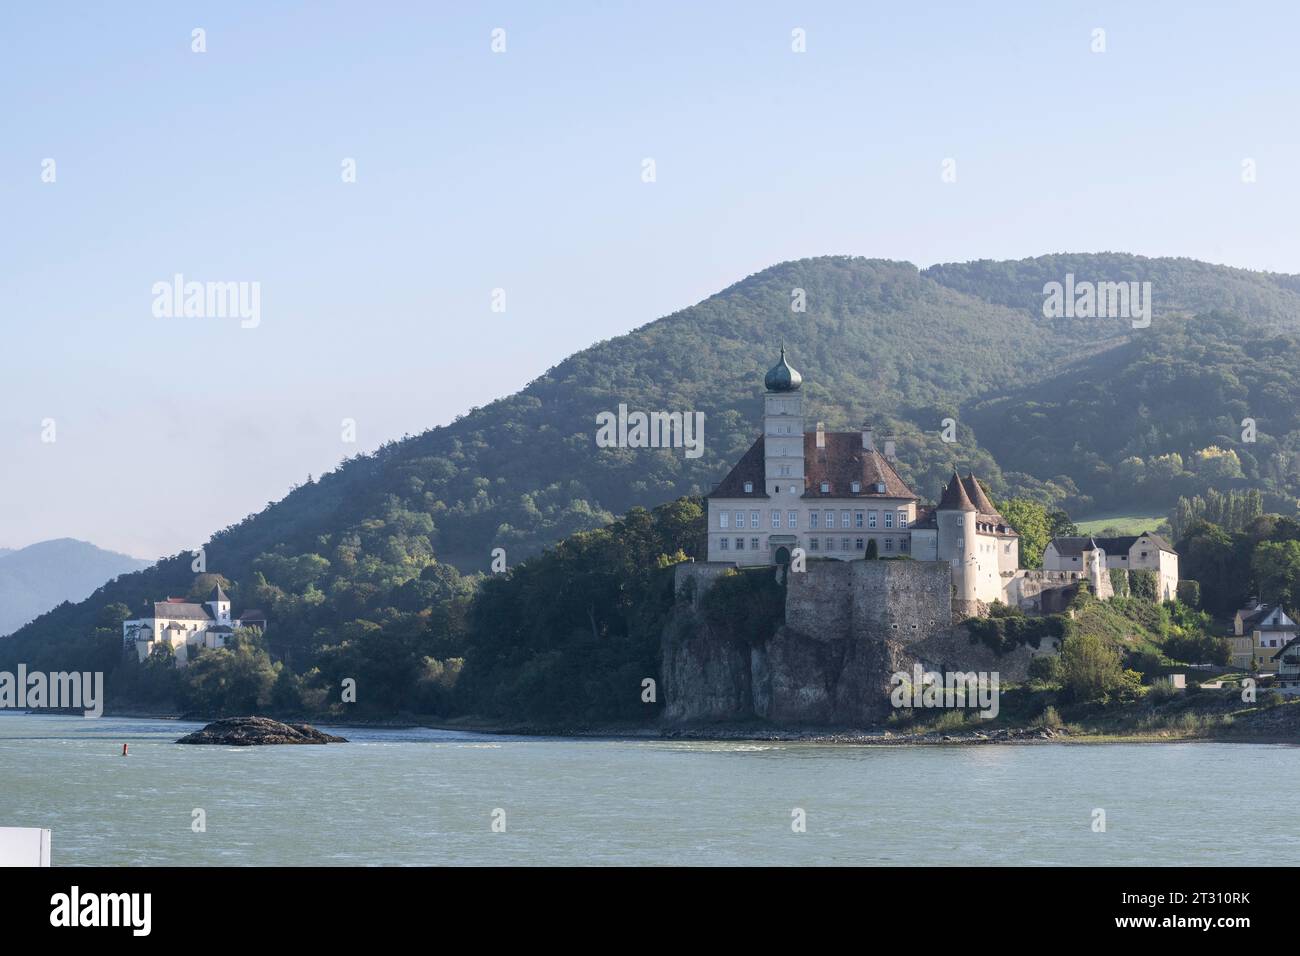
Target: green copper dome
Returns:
[782, 377]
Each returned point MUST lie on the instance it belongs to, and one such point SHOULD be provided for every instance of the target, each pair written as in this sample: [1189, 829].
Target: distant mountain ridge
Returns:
[41, 576]
[1086, 414]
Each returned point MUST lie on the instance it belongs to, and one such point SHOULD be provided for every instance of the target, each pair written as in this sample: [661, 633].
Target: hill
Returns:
[41, 576]
[1049, 409]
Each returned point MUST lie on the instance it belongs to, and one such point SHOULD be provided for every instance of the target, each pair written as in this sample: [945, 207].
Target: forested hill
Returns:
[382, 535]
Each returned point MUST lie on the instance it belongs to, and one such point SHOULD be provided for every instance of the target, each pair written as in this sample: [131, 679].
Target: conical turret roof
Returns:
[955, 497]
[978, 498]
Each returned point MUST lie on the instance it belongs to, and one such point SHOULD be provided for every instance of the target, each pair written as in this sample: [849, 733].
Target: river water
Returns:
[422, 797]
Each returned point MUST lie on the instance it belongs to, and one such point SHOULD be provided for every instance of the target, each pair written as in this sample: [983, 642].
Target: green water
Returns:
[424, 797]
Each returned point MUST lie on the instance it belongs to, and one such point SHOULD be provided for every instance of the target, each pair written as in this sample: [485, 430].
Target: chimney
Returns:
[821, 434]
[867, 441]
[889, 447]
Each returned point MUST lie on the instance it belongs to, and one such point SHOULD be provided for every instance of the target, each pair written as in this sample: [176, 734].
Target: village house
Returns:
[1140, 552]
[183, 626]
[1287, 663]
[1260, 633]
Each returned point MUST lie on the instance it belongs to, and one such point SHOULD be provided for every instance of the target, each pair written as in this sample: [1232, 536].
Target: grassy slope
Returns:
[1126, 524]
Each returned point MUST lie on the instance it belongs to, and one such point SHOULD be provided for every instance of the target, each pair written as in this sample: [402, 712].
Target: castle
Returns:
[832, 494]
[181, 625]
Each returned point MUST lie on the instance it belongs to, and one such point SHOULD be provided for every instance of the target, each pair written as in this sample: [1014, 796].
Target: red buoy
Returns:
[124, 753]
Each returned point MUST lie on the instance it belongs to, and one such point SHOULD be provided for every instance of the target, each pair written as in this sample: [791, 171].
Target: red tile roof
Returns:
[840, 463]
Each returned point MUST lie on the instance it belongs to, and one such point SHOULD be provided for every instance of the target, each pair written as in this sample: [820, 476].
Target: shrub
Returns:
[1189, 593]
[1142, 584]
[1045, 668]
[1198, 649]
[1091, 669]
[1119, 581]
[1050, 718]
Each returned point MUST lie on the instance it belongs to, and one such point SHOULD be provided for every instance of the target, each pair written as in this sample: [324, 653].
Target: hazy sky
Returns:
[522, 170]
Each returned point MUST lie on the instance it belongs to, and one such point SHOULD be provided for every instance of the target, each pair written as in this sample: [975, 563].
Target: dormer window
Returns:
[826, 487]
[856, 487]
[749, 487]
[880, 487]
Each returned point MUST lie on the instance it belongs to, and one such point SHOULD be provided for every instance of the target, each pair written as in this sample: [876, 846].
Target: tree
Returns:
[1059, 525]
[1090, 669]
[1275, 566]
[235, 679]
[873, 552]
[1030, 520]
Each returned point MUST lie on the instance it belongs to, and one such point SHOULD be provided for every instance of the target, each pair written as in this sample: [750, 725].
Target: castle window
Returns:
[902, 519]
[753, 519]
[871, 518]
[889, 544]
[813, 520]
[749, 486]
[889, 519]
[776, 519]
[880, 487]
[859, 544]
[814, 544]
[740, 544]
[794, 519]
[724, 544]
[844, 544]
[724, 519]
[858, 519]
[855, 487]
[740, 519]
[844, 519]
[753, 544]
[830, 519]
[903, 544]
[826, 487]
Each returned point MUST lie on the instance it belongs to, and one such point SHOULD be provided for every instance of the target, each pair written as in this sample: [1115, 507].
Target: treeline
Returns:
[1184, 407]
[1262, 560]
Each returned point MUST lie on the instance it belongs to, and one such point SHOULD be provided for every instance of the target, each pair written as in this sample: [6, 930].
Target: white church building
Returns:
[184, 626]
[833, 493]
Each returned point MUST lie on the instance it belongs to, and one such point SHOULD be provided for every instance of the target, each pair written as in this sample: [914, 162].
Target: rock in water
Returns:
[256, 731]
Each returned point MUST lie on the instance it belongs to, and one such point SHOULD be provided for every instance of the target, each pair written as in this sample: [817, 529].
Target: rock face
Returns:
[848, 627]
[258, 731]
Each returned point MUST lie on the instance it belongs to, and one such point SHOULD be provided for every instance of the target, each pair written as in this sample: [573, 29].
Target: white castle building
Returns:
[182, 625]
[832, 493]
[1140, 552]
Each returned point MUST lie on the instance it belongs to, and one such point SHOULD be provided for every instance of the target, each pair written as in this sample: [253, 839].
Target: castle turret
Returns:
[955, 516]
[783, 462]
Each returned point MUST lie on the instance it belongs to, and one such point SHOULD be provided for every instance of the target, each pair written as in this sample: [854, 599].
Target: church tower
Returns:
[783, 465]
[219, 605]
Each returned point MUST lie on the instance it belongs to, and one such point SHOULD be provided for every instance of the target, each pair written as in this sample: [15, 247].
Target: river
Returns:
[423, 797]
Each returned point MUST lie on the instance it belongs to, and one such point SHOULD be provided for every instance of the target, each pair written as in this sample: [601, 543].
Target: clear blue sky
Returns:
[522, 171]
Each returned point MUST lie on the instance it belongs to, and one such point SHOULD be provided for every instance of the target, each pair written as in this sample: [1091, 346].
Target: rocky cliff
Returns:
[847, 628]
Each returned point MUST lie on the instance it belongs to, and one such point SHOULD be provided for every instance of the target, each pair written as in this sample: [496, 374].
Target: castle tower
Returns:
[955, 516]
[783, 463]
[219, 605]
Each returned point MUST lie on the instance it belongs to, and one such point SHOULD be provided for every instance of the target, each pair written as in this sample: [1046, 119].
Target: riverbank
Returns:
[1262, 724]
